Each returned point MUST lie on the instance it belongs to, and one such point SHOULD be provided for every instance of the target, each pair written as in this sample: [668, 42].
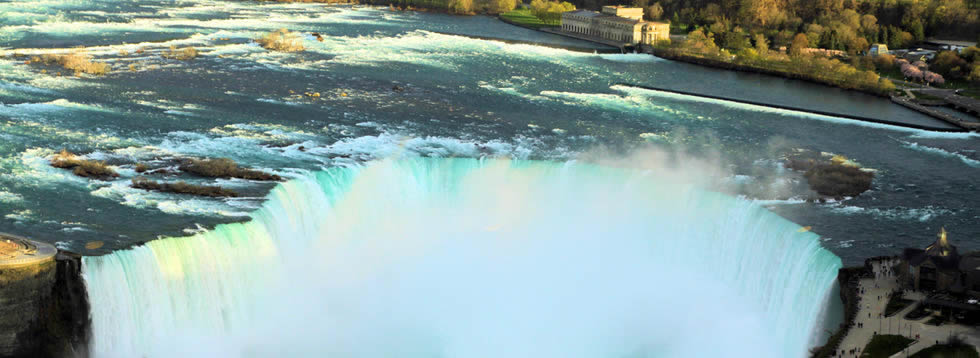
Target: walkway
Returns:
[870, 309]
[964, 103]
[870, 318]
[18, 251]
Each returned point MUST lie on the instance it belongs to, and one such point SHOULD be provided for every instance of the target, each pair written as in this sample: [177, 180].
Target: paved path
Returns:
[870, 318]
[870, 308]
[18, 251]
[950, 96]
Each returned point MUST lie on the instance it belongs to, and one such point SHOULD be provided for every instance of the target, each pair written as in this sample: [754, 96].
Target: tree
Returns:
[869, 22]
[655, 11]
[461, 6]
[761, 44]
[502, 6]
[759, 12]
[539, 6]
[918, 32]
[698, 41]
[737, 40]
[911, 72]
[830, 40]
[799, 45]
[949, 63]
[857, 45]
[974, 75]
[814, 32]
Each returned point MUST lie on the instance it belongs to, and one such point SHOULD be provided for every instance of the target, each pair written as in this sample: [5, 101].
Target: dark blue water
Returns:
[456, 97]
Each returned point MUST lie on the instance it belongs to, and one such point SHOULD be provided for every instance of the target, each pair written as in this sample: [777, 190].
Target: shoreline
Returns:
[798, 109]
[962, 126]
[534, 43]
[848, 279]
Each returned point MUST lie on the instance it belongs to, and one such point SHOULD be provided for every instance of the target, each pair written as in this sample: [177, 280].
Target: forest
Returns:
[847, 25]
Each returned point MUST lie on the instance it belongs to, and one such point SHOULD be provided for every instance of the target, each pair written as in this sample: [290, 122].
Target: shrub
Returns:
[282, 40]
[184, 54]
[224, 168]
[884, 61]
[78, 61]
[82, 167]
[181, 187]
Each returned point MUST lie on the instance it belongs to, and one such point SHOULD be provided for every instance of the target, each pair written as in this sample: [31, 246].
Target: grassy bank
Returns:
[812, 69]
[526, 18]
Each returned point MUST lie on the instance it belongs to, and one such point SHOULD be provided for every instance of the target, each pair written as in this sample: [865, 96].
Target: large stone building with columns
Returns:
[615, 23]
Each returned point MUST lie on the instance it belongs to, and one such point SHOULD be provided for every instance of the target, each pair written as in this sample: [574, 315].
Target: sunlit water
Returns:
[470, 258]
[462, 97]
[375, 246]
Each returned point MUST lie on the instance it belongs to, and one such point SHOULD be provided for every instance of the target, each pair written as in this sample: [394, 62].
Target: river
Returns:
[398, 84]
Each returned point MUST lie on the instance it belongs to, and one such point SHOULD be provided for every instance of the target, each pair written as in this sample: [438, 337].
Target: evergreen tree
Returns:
[918, 32]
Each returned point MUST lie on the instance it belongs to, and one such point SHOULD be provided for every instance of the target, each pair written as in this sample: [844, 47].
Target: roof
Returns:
[970, 265]
[941, 253]
[941, 247]
[950, 303]
[620, 19]
[584, 13]
[950, 42]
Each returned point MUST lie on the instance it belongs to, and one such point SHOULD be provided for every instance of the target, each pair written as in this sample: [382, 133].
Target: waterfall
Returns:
[472, 258]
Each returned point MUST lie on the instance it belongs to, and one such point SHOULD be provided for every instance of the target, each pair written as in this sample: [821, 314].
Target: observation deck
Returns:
[17, 251]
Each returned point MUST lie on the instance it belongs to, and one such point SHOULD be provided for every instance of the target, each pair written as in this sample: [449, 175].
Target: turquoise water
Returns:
[463, 97]
[402, 228]
[473, 258]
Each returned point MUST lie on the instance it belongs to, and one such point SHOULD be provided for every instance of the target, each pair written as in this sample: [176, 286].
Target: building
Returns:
[878, 49]
[920, 54]
[616, 23]
[940, 268]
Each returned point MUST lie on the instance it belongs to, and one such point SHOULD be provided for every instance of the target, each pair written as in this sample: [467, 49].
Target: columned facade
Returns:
[617, 24]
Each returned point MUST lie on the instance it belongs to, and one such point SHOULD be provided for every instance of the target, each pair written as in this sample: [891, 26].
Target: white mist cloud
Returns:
[469, 258]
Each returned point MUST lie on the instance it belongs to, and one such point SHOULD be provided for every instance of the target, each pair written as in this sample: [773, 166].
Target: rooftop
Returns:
[942, 253]
[585, 13]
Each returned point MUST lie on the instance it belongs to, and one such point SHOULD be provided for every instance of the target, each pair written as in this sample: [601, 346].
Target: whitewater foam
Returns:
[927, 149]
[471, 258]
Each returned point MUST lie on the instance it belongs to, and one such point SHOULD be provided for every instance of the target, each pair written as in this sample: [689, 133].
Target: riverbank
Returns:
[878, 87]
[677, 55]
[799, 109]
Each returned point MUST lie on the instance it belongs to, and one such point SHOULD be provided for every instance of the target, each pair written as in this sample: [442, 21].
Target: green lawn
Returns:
[896, 304]
[884, 345]
[947, 351]
[526, 17]
[678, 29]
[972, 92]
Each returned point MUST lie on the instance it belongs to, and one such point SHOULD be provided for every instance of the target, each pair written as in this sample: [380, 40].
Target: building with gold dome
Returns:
[941, 268]
[616, 23]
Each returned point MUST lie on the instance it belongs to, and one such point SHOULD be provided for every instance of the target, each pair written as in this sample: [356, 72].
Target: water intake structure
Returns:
[472, 258]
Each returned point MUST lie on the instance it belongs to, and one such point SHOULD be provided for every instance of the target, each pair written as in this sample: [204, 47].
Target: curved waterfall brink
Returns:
[471, 258]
